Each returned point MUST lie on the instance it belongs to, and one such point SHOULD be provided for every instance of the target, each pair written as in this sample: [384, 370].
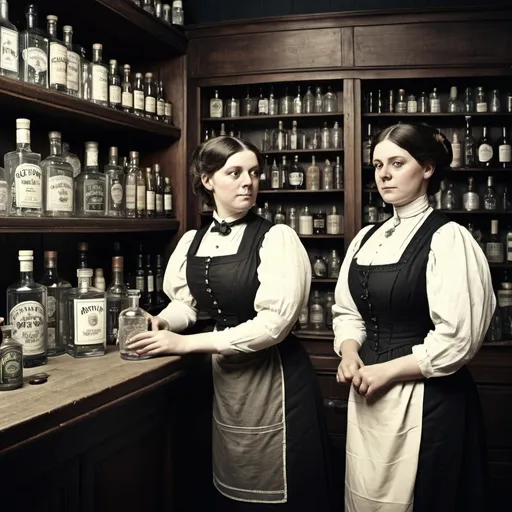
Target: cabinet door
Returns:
[131, 471]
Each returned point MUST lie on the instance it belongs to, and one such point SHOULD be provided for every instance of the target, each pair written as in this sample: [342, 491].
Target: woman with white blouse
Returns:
[414, 300]
[270, 448]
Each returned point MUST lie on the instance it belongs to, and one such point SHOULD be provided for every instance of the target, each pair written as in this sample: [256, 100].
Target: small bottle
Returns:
[401, 104]
[329, 303]
[316, 311]
[58, 57]
[168, 198]
[150, 194]
[114, 85]
[216, 106]
[74, 67]
[11, 360]
[132, 321]
[130, 189]
[99, 280]
[126, 88]
[470, 199]
[138, 95]
[305, 222]
[9, 41]
[114, 185]
[292, 220]
[160, 102]
[99, 77]
[313, 176]
[327, 176]
[334, 222]
[90, 185]
[494, 247]
[319, 267]
[481, 101]
[177, 15]
[319, 221]
[334, 265]
[412, 104]
[150, 94]
[117, 294]
[457, 152]
[166, 13]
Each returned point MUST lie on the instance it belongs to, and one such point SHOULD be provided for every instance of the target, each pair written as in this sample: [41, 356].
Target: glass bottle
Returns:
[141, 194]
[337, 136]
[159, 281]
[59, 190]
[297, 102]
[319, 267]
[367, 147]
[131, 185]
[329, 101]
[9, 43]
[305, 222]
[4, 193]
[279, 138]
[490, 197]
[448, 198]
[329, 303]
[485, 151]
[296, 179]
[273, 104]
[495, 101]
[58, 56]
[423, 103]
[56, 308]
[160, 102]
[177, 17]
[166, 13]
[327, 176]
[216, 106]
[26, 307]
[132, 321]
[86, 315]
[114, 85]
[370, 211]
[291, 219]
[25, 176]
[319, 101]
[469, 145]
[504, 150]
[126, 88]
[90, 185]
[114, 185]
[99, 280]
[82, 252]
[33, 51]
[262, 104]
[334, 265]
[319, 222]
[494, 246]
[334, 222]
[138, 95]
[469, 103]
[456, 151]
[71, 159]
[279, 217]
[74, 67]
[338, 175]
[85, 76]
[470, 199]
[168, 210]
[149, 96]
[316, 311]
[454, 104]
[434, 101]
[401, 105]
[286, 103]
[313, 176]
[11, 360]
[159, 191]
[275, 176]
[325, 141]
[481, 101]
[412, 104]
[294, 137]
[308, 102]
[150, 194]
[148, 6]
[99, 76]
[117, 294]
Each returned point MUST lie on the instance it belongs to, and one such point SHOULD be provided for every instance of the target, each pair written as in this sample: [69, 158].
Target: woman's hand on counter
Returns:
[157, 343]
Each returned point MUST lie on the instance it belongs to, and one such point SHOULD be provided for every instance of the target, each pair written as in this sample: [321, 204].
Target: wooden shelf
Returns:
[459, 169]
[23, 100]
[505, 343]
[500, 265]
[263, 122]
[301, 191]
[477, 212]
[303, 151]
[430, 115]
[82, 225]
[319, 237]
[323, 280]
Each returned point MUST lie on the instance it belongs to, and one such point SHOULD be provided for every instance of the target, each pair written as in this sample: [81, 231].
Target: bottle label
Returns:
[11, 365]
[435, 105]
[160, 108]
[481, 106]
[73, 80]
[115, 94]
[59, 193]
[141, 197]
[504, 298]
[113, 309]
[150, 105]
[9, 49]
[494, 252]
[316, 315]
[150, 200]
[485, 153]
[94, 196]
[295, 179]
[116, 193]
[3, 196]
[99, 90]
[36, 61]
[139, 283]
[168, 109]
[28, 320]
[91, 157]
[130, 197]
[412, 107]
[167, 202]
[216, 107]
[90, 321]
[456, 155]
[138, 100]
[51, 307]
[159, 203]
[263, 106]
[127, 99]
[52, 338]
[58, 64]
[471, 201]
[333, 224]
[151, 284]
[505, 153]
[28, 186]
[318, 223]
[22, 136]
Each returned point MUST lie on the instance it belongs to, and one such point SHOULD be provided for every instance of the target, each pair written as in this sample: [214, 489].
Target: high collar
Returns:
[413, 208]
[231, 218]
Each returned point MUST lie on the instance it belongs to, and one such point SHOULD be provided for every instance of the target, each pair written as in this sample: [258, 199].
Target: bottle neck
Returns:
[117, 276]
[52, 29]
[4, 11]
[91, 157]
[68, 40]
[23, 138]
[84, 283]
[96, 56]
[126, 73]
[31, 21]
[26, 271]
[133, 301]
[55, 148]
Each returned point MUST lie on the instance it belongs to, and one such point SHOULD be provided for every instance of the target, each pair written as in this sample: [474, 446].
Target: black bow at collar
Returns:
[224, 228]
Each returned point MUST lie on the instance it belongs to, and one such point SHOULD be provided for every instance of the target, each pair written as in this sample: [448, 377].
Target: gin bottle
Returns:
[138, 95]
[86, 82]
[58, 61]
[25, 175]
[4, 193]
[216, 106]
[34, 51]
[168, 210]
[150, 194]
[150, 94]
[9, 65]
[74, 74]
[87, 318]
[90, 185]
[117, 294]
[58, 176]
[132, 321]
[131, 186]
[26, 306]
[114, 176]
[114, 85]
[126, 87]
[11, 360]
[56, 288]
[159, 191]
[98, 77]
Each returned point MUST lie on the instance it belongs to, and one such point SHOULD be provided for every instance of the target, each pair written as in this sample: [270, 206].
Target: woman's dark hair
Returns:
[425, 144]
[212, 155]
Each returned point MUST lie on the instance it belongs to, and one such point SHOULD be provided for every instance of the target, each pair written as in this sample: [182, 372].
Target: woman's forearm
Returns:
[404, 368]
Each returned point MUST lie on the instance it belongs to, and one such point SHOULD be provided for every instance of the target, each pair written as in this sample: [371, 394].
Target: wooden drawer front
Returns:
[335, 398]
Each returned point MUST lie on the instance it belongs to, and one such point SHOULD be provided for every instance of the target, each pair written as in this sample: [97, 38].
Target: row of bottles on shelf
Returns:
[41, 58]
[164, 12]
[329, 267]
[317, 314]
[467, 153]
[400, 102]
[314, 221]
[50, 317]
[58, 186]
[264, 104]
[294, 177]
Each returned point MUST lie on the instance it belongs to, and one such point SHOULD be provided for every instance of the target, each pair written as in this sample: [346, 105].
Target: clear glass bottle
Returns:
[316, 311]
[367, 147]
[286, 103]
[11, 360]
[334, 222]
[158, 9]
[149, 96]
[276, 178]
[58, 56]
[90, 185]
[423, 103]
[33, 51]
[469, 102]
[59, 190]
[26, 308]
[292, 219]
[305, 222]
[313, 176]
[280, 138]
[160, 102]
[456, 151]
[216, 106]
[177, 16]
[85, 76]
[4, 193]
[74, 68]
[56, 307]
[308, 102]
[454, 104]
[87, 319]
[334, 265]
[9, 42]
[99, 280]
[130, 189]
[370, 211]
[329, 303]
[434, 101]
[470, 199]
[114, 85]
[141, 193]
[495, 101]
[98, 76]
[319, 101]
[114, 185]
[494, 246]
[273, 104]
[448, 198]
[327, 176]
[138, 95]
[325, 137]
[126, 87]
[469, 145]
[297, 102]
[337, 136]
[319, 269]
[71, 159]
[117, 294]
[132, 321]
[481, 100]
[159, 191]
[25, 175]
[150, 194]
[401, 104]
[148, 6]
[166, 13]
[490, 197]
[329, 101]
[168, 206]
[412, 104]
[338, 175]
[149, 277]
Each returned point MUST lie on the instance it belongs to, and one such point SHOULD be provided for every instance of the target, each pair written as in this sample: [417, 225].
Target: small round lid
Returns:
[97, 46]
[23, 124]
[117, 262]
[177, 3]
[98, 272]
[84, 272]
[67, 28]
[25, 255]
[52, 17]
[50, 254]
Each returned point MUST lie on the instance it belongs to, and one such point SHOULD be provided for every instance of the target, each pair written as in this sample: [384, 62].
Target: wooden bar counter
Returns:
[104, 434]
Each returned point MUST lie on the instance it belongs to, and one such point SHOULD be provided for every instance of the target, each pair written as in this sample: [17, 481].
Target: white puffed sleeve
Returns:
[181, 312]
[284, 273]
[461, 302]
[347, 322]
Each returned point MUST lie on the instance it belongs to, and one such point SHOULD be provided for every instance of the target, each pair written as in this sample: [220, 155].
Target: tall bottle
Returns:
[117, 294]
[56, 306]
[504, 150]
[114, 188]
[4, 193]
[25, 175]
[126, 87]
[485, 151]
[141, 193]
[74, 69]
[9, 43]
[58, 57]
[34, 51]
[150, 94]
[85, 75]
[168, 206]
[159, 281]
[26, 307]
[469, 145]
[160, 102]
[130, 188]
[98, 76]
[90, 185]
[114, 85]
[159, 191]
[138, 95]
[132, 321]
[150, 194]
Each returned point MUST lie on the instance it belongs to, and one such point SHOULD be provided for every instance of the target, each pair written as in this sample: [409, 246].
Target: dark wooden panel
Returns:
[254, 53]
[428, 44]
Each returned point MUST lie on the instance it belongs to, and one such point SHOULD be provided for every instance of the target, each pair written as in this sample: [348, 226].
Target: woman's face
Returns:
[235, 186]
[399, 177]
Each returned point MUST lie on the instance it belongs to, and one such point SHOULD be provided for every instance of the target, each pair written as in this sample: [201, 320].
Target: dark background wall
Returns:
[205, 11]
